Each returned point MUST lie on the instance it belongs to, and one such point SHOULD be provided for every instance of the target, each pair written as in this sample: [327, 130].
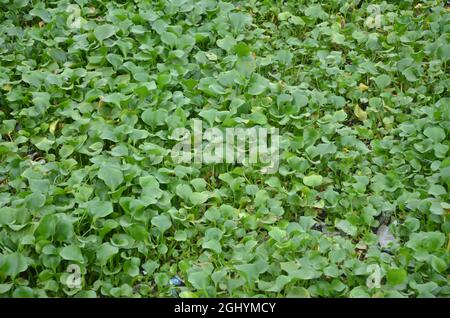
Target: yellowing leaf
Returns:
[362, 87]
[52, 127]
[359, 113]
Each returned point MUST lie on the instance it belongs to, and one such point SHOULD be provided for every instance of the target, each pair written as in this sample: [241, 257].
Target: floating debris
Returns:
[385, 236]
[176, 281]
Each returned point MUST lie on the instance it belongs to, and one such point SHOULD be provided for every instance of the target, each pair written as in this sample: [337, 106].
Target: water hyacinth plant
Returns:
[93, 204]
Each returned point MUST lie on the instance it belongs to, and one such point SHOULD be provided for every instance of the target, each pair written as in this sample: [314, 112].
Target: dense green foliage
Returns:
[90, 92]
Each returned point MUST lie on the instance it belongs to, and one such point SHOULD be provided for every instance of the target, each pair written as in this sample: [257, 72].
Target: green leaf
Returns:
[105, 252]
[72, 253]
[300, 99]
[169, 38]
[13, 264]
[313, 180]
[226, 43]
[100, 209]
[258, 85]
[114, 98]
[239, 20]
[43, 14]
[213, 245]
[298, 292]
[162, 222]
[35, 201]
[4, 288]
[198, 198]
[316, 12]
[155, 117]
[104, 31]
[23, 292]
[347, 227]
[112, 176]
[438, 264]
[382, 81]
[437, 134]
[184, 191]
[7, 215]
[359, 113]
[242, 49]
[396, 276]
[304, 273]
